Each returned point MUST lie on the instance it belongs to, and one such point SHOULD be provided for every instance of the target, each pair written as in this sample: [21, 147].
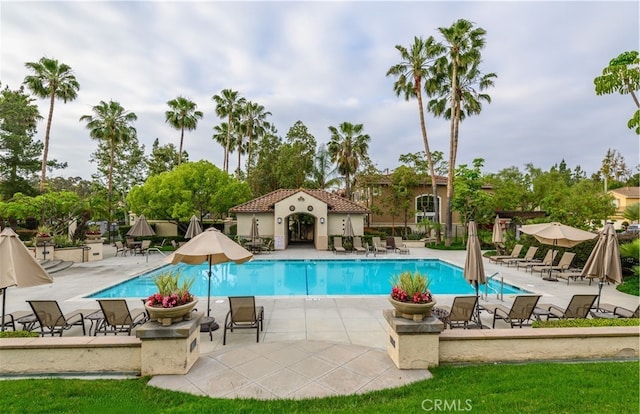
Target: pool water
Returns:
[303, 278]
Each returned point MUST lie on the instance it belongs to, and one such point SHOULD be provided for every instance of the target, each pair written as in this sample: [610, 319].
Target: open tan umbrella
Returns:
[141, 228]
[497, 236]
[194, 228]
[557, 235]
[604, 260]
[19, 267]
[473, 266]
[210, 246]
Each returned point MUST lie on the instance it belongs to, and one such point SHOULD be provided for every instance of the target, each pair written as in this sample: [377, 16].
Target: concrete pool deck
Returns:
[310, 346]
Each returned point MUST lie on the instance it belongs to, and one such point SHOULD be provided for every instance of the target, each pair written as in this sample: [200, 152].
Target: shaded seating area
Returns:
[565, 263]
[528, 256]
[116, 317]
[462, 313]
[520, 313]
[243, 314]
[547, 261]
[578, 308]
[51, 319]
[515, 253]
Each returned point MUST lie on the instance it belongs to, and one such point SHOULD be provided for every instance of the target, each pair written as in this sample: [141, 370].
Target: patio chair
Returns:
[117, 317]
[53, 321]
[399, 246]
[144, 247]
[243, 314]
[528, 256]
[515, 253]
[563, 264]
[357, 245]
[378, 245]
[337, 245]
[267, 247]
[520, 312]
[11, 319]
[578, 308]
[619, 311]
[462, 313]
[121, 248]
[547, 261]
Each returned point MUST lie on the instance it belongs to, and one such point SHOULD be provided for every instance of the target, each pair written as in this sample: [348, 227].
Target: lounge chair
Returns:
[399, 246]
[578, 308]
[337, 245]
[619, 311]
[515, 253]
[462, 313]
[12, 319]
[357, 245]
[378, 245]
[521, 310]
[143, 248]
[243, 314]
[563, 264]
[547, 261]
[117, 317]
[528, 256]
[120, 248]
[53, 321]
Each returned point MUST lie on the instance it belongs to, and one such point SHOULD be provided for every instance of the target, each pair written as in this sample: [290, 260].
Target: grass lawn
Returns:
[598, 387]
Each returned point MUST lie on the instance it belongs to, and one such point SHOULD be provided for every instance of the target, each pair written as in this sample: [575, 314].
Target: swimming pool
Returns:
[303, 278]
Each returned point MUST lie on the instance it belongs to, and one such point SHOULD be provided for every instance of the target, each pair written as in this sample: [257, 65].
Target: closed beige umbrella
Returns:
[18, 266]
[210, 246]
[473, 265]
[604, 260]
[194, 228]
[254, 233]
[141, 228]
[348, 227]
[557, 235]
[497, 237]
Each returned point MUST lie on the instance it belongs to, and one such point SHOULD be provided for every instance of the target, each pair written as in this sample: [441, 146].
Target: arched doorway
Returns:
[301, 229]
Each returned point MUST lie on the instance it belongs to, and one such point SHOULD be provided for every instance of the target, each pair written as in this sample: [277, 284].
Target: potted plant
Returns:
[93, 231]
[173, 301]
[410, 296]
[43, 233]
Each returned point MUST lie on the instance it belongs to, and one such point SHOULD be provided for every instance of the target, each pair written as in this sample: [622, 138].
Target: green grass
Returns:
[599, 387]
[585, 323]
[630, 285]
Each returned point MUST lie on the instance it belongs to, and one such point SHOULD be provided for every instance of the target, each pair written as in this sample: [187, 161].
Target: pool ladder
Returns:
[500, 294]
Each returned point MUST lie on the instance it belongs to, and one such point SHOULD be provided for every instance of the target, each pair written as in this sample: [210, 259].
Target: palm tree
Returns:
[253, 125]
[228, 105]
[110, 122]
[347, 147]
[52, 80]
[416, 65]
[324, 174]
[455, 81]
[182, 115]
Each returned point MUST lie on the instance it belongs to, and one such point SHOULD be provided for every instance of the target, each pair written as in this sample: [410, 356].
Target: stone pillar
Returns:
[94, 250]
[170, 349]
[413, 345]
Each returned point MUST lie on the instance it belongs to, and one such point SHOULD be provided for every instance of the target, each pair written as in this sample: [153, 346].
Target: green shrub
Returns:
[585, 323]
[19, 334]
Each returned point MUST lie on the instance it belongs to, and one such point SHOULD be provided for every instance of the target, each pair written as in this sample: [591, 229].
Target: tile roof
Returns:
[629, 192]
[266, 203]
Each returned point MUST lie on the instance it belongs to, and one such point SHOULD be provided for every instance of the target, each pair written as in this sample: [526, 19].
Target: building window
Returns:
[425, 207]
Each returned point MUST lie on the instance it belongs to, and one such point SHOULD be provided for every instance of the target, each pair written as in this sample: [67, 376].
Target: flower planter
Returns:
[89, 236]
[168, 316]
[409, 310]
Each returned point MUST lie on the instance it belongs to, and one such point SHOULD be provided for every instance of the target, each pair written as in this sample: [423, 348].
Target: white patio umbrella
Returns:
[213, 247]
[604, 260]
[194, 228]
[141, 228]
[19, 267]
[473, 265]
[557, 235]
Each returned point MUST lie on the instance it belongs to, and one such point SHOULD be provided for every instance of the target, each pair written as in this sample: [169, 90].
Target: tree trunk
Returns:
[45, 151]
[180, 151]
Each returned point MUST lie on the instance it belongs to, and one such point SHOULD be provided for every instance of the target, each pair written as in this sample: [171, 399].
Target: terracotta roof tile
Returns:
[266, 203]
[629, 192]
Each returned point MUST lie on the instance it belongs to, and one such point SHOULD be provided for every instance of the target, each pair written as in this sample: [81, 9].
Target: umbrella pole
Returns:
[600, 286]
[4, 295]
[478, 305]
[209, 290]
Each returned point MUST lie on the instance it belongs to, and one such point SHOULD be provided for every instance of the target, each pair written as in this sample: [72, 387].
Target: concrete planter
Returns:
[168, 316]
[414, 311]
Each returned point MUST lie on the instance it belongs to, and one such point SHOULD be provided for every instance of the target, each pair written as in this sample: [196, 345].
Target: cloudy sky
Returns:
[325, 63]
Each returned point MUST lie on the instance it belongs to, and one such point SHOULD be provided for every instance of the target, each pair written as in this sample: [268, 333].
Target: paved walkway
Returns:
[310, 346]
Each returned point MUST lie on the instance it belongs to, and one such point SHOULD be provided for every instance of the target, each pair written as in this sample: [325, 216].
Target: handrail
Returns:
[486, 286]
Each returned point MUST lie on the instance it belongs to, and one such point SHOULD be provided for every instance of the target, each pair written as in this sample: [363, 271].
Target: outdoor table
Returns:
[96, 318]
[539, 313]
[208, 324]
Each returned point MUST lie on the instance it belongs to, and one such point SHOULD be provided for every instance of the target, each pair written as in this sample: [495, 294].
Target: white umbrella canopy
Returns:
[213, 247]
[141, 228]
[348, 227]
[473, 265]
[18, 266]
[194, 228]
[604, 260]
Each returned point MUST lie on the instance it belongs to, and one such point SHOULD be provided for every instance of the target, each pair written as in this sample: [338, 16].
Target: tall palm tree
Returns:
[415, 67]
[110, 122]
[253, 125]
[347, 147]
[457, 76]
[324, 173]
[182, 115]
[50, 79]
[228, 105]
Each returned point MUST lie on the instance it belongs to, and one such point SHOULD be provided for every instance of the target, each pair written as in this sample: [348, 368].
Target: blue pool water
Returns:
[303, 277]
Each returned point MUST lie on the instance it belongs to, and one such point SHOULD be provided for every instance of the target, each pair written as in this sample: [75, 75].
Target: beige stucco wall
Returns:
[265, 224]
[300, 202]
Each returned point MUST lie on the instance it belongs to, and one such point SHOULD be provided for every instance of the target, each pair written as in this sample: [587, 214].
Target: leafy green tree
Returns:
[470, 200]
[50, 79]
[163, 158]
[511, 190]
[193, 187]
[416, 64]
[182, 114]
[401, 200]
[295, 157]
[263, 176]
[632, 213]
[614, 170]
[457, 85]
[19, 153]
[253, 125]
[347, 147]
[78, 185]
[324, 174]
[622, 76]
[110, 123]
[418, 162]
[229, 105]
